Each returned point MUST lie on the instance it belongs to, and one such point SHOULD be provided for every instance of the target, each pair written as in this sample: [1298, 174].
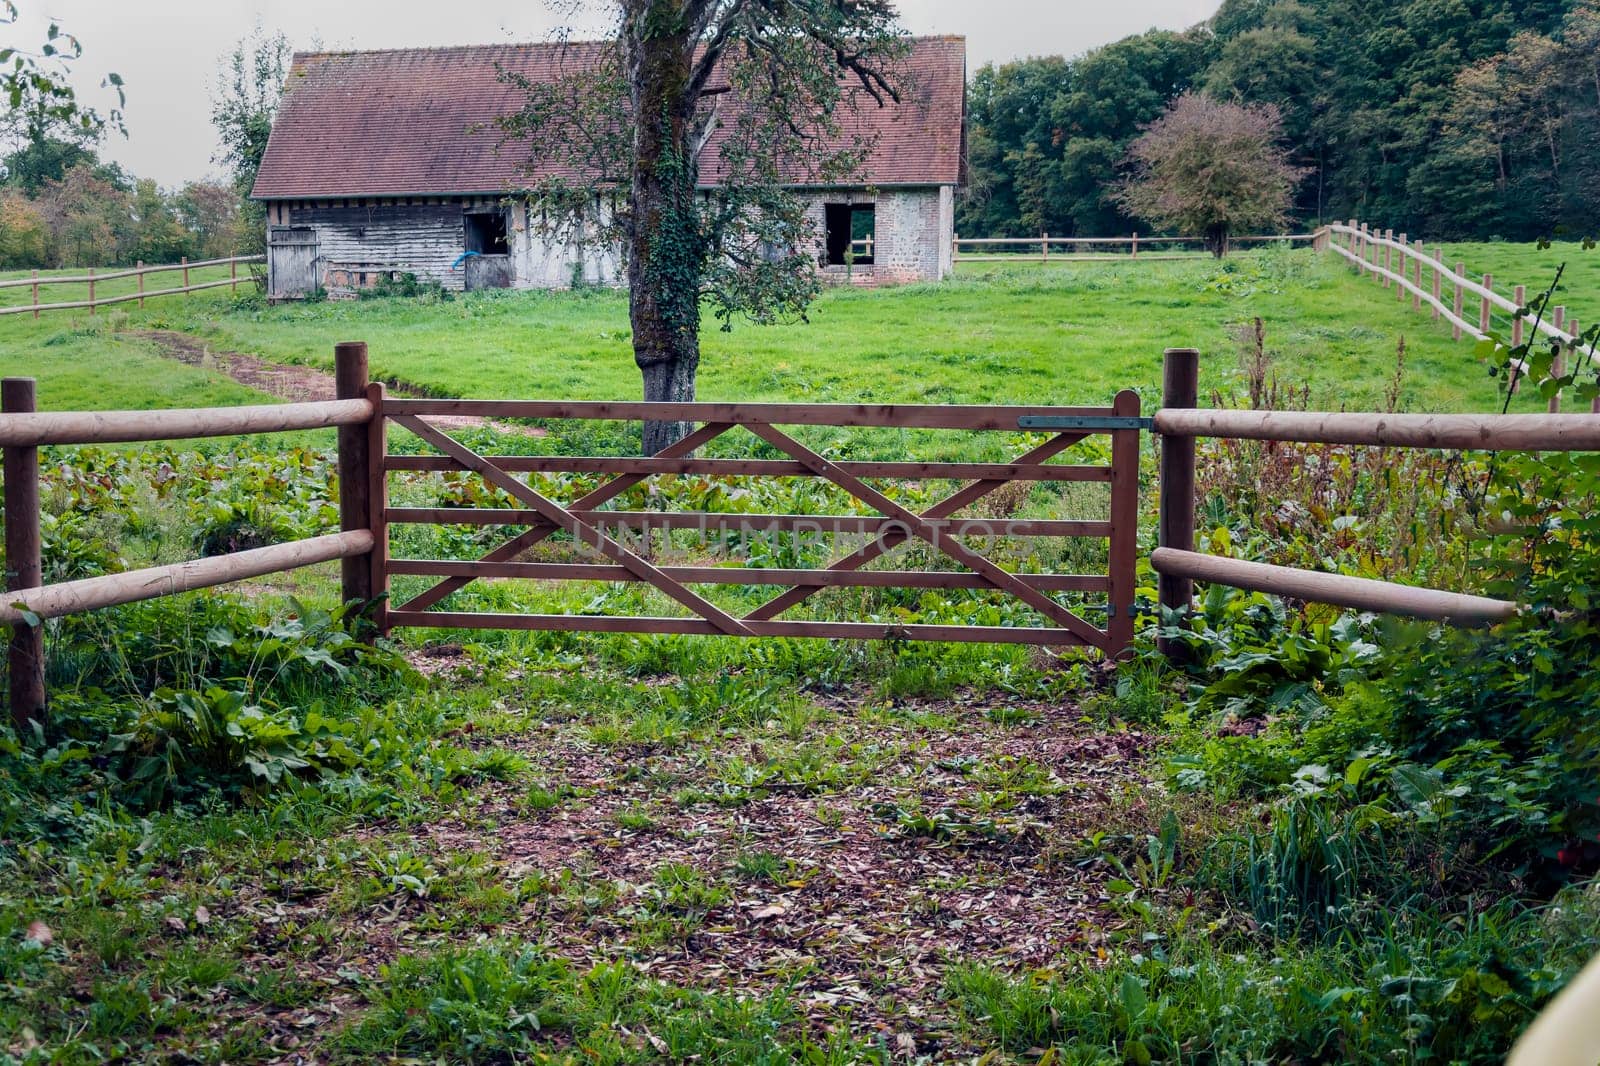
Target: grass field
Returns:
[1057, 334]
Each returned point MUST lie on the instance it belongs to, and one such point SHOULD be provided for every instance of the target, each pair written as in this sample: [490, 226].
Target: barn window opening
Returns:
[851, 228]
[486, 233]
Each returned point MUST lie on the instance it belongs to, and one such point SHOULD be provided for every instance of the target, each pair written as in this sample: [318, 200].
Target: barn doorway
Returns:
[846, 224]
[486, 233]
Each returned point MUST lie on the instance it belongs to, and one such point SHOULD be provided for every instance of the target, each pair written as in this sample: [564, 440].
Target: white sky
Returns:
[167, 50]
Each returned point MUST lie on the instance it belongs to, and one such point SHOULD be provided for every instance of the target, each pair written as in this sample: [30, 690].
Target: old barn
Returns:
[383, 164]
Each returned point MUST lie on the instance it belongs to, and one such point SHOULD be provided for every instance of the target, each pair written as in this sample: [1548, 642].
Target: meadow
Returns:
[249, 836]
[1061, 334]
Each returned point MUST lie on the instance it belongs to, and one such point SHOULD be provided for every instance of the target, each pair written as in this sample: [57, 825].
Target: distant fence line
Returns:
[91, 279]
[1044, 243]
[1396, 262]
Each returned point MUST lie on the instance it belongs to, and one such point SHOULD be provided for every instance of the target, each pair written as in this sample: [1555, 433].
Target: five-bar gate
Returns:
[612, 538]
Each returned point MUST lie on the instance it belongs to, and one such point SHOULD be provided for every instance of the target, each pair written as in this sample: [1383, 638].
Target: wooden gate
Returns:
[291, 262]
[880, 522]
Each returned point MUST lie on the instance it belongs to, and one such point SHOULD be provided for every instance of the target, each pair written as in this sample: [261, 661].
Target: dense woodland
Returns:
[1452, 118]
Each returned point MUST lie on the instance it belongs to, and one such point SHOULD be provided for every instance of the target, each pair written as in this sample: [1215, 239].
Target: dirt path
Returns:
[295, 384]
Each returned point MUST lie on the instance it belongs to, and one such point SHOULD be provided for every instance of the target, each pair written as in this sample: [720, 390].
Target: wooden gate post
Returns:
[91, 290]
[139, 268]
[1483, 309]
[24, 562]
[1124, 550]
[35, 294]
[1180, 387]
[378, 509]
[355, 486]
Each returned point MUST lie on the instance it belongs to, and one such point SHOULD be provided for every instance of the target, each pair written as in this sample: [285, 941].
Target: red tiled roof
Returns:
[398, 123]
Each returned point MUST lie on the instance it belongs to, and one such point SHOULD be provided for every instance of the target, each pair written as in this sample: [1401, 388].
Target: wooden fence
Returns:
[139, 272]
[362, 412]
[1470, 306]
[1039, 249]
[1179, 423]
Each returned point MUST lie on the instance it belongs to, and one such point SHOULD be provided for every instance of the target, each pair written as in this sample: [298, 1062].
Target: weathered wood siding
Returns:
[420, 239]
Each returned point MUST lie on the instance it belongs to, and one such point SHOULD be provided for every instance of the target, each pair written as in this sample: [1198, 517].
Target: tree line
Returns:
[62, 205]
[1456, 118]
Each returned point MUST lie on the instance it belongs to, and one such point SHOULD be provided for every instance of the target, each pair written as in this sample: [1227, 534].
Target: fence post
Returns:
[1421, 248]
[91, 290]
[1388, 256]
[355, 509]
[955, 248]
[24, 564]
[1362, 245]
[1135, 245]
[1180, 387]
[1483, 311]
[1558, 368]
[1461, 272]
[185, 277]
[1124, 548]
[1439, 280]
[1044, 247]
[378, 508]
[233, 276]
[1402, 266]
[35, 294]
[139, 266]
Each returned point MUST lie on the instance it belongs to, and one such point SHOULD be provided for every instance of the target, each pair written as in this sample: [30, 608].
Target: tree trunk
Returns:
[1217, 240]
[665, 247]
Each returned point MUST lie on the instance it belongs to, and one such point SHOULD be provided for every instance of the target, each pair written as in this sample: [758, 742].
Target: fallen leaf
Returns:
[39, 933]
[202, 916]
[176, 924]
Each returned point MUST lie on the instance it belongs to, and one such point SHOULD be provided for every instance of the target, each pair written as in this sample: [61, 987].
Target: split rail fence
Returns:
[140, 293]
[1179, 423]
[1040, 249]
[1471, 306]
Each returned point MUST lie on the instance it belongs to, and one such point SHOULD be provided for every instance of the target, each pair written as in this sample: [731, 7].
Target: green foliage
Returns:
[36, 85]
[1415, 989]
[1444, 118]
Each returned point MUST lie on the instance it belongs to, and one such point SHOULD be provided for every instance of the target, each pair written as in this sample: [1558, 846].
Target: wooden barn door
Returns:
[291, 262]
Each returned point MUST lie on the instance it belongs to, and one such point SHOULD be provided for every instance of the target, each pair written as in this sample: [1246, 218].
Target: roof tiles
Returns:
[418, 122]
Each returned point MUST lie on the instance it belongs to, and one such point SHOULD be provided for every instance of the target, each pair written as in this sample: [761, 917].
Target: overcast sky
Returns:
[167, 50]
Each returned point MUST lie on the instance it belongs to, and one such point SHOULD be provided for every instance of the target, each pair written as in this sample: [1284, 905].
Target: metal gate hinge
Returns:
[1102, 423]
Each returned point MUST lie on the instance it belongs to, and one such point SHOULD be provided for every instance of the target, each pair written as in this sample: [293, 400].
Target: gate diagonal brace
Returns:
[514, 547]
[927, 531]
[558, 516]
[892, 538]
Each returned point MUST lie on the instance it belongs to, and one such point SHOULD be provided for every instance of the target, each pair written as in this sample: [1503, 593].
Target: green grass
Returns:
[84, 362]
[1068, 334]
[1524, 264]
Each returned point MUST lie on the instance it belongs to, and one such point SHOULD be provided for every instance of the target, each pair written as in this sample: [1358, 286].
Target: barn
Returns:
[383, 164]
